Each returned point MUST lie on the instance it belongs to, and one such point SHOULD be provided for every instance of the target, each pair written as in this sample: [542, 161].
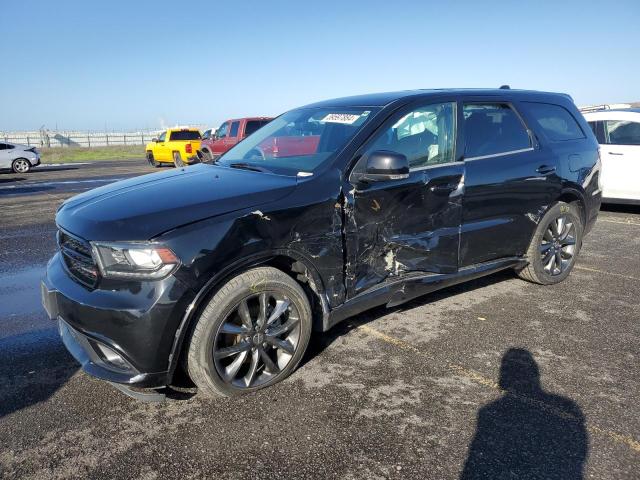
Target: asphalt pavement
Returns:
[482, 380]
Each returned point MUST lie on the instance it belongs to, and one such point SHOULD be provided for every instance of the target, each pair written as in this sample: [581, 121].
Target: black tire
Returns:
[152, 161]
[231, 374]
[177, 160]
[206, 156]
[21, 165]
[552, 253]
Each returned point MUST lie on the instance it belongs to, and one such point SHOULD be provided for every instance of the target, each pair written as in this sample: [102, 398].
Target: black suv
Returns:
[224, 270]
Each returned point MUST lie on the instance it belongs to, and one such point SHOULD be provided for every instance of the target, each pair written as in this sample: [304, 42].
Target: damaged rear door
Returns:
[396, 228]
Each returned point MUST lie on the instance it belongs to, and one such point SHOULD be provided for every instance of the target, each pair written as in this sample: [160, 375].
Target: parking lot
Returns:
[476, 381]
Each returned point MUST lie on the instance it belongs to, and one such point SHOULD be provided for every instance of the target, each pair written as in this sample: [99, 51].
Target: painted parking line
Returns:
[480, 379]
[613, 274]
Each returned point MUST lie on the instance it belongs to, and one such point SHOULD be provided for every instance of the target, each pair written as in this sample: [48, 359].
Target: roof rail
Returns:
[595, 108]
[612, 106]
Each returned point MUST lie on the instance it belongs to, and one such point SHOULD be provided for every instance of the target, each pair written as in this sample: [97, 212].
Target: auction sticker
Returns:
[347, 118]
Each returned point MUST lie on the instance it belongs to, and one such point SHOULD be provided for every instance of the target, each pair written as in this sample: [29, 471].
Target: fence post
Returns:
[28, 142]
[124, 136]
[107, 135]
[88, 140]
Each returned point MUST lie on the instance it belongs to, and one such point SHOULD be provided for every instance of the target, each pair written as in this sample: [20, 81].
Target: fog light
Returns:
[112, 357]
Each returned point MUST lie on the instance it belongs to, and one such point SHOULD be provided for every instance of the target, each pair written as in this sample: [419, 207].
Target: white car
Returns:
[19, 158]
[618, 133]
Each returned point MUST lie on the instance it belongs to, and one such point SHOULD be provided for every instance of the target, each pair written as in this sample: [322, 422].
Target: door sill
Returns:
[401, 290]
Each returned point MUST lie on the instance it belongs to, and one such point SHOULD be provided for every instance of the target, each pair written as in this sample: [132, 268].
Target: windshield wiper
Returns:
[249, 166]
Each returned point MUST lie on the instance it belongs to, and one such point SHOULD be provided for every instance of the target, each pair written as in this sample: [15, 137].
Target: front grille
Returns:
[77, 257]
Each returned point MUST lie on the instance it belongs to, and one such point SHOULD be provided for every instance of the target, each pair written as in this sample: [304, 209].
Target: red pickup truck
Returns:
[229, 133]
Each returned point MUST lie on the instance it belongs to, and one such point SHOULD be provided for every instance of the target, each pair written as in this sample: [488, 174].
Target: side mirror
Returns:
[384, 165]
[154, 140]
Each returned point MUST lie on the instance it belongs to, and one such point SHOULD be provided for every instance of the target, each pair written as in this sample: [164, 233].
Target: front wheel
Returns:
[555, 245]
[152, 161]
[252, 334]
[21, 165]
[177, 160]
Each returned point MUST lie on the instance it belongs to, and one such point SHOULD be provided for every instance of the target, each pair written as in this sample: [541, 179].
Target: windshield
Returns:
[299, 140]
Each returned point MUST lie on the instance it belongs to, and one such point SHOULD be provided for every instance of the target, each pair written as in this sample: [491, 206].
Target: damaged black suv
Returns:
[223, 271]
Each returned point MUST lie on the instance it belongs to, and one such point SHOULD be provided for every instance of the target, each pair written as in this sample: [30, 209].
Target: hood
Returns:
[143, 207]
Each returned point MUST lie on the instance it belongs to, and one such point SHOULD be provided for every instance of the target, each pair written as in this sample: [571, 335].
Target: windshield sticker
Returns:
[347, 118]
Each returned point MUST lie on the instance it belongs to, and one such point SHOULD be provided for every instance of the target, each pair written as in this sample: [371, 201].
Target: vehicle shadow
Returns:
[320, 341]
[33, 366]
[610, 207]
[12, 179]
[528, 432]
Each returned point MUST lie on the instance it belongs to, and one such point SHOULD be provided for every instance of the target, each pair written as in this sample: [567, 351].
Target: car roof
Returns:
[248, 119]
[383, 99]
[613, 114]
[183, 129]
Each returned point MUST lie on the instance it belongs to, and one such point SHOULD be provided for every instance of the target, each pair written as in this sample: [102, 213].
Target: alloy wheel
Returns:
[21, 165]
[257, 340]
[558, 245]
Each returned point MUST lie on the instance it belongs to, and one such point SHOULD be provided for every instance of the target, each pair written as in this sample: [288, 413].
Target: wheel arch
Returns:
[291, 262]
[571, 195]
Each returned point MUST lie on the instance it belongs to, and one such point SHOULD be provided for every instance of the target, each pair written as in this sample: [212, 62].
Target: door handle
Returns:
[615, 153]
[546, 169]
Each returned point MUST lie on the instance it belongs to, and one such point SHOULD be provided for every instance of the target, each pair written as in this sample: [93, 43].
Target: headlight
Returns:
[134, 260]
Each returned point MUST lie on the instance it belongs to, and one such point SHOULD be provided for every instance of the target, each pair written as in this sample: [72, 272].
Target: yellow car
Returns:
[177, 146]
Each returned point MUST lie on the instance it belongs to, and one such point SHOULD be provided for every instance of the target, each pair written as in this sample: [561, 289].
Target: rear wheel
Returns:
[152, 161]
[206, 156]
[177, 160]
[252, 334]
[555, 245]
[21, 165]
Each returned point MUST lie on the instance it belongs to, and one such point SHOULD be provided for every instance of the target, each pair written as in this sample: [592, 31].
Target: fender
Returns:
[314, 281]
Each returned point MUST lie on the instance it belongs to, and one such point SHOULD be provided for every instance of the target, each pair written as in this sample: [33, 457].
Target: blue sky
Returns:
[141, 64]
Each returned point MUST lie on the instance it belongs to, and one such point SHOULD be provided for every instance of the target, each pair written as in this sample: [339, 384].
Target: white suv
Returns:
[618, 133]
[19, 158]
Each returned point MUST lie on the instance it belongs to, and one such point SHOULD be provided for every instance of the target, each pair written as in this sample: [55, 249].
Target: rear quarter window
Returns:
[557, 122]
[253, 125]
[185, 135]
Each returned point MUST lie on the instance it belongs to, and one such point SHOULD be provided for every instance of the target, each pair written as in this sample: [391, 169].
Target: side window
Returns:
[162, 136]
[252, 126]
[234, 129]
[426, 136]
[493, 129]
[622, 132]
[592, 126]
[222, 131]
[558, 124]
[206, 135]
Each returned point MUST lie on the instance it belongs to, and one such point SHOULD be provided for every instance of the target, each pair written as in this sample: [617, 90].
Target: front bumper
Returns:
[123, 336]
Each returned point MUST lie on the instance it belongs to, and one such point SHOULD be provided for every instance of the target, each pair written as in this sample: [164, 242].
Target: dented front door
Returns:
[400, 227]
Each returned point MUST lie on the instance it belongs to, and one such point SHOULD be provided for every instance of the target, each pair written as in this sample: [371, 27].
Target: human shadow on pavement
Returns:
[528, 432]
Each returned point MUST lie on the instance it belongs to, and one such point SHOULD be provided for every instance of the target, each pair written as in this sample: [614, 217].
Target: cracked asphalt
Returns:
[496, 378]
